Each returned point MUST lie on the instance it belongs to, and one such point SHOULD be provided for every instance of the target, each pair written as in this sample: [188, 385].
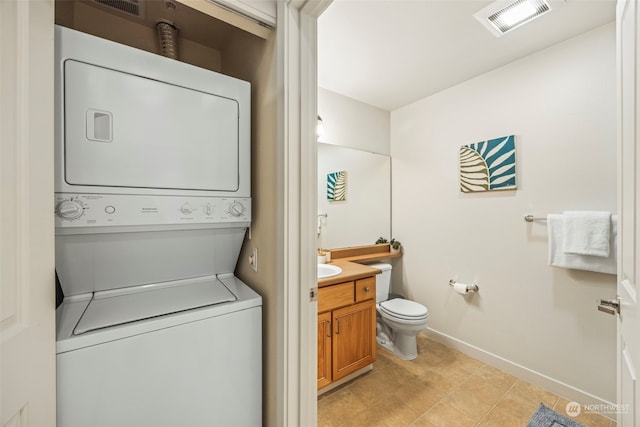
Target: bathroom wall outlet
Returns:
[253, 260]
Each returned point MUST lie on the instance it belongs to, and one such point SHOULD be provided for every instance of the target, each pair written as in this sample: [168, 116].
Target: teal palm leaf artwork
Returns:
[488, 165]
[337, 186]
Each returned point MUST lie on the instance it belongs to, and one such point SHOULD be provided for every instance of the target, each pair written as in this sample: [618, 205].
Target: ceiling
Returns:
[390, 53]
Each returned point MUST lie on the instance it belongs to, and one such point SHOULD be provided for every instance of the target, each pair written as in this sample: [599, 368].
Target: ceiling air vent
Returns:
[130, 7]
[503, 16]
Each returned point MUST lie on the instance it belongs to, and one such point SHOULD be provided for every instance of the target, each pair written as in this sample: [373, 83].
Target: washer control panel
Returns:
[96, 210]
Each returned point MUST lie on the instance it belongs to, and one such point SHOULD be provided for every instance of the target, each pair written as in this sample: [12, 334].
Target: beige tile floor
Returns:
[441, 388]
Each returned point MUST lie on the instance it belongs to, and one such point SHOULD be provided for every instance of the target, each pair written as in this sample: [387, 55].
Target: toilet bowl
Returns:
[398, 320]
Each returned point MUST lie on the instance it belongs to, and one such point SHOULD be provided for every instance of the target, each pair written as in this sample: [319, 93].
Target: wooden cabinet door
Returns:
[324, 349]
[354, 334]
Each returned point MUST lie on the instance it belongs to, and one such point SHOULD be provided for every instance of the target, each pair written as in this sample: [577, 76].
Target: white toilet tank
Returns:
[383, 281]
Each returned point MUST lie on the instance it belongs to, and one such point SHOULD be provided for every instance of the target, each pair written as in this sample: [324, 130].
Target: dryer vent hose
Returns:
[168, 39]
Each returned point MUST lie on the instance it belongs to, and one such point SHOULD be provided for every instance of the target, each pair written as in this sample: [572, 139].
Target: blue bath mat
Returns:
[545, 417]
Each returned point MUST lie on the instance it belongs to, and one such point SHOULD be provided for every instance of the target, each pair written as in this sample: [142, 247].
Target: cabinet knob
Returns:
[367, 289]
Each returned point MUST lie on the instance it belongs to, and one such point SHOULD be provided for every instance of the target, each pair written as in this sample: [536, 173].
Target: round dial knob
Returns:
[208, 209]
[236, 209]
[186, 209]
[70, 209]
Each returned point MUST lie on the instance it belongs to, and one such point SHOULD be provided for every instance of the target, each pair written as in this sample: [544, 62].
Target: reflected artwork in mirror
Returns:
[337, 186]
[365, 211]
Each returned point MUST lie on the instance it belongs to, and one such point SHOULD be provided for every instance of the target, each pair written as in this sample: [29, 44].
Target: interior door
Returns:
[629, 210]
[27, 301]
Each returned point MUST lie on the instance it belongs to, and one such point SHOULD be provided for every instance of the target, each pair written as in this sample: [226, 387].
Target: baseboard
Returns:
[558, 387]
[345, 379]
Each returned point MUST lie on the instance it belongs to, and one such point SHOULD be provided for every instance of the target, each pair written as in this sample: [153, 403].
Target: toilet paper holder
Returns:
[470, 288]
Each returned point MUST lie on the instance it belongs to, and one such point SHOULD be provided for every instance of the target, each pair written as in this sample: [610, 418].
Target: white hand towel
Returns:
[587, 233]
[558, 258]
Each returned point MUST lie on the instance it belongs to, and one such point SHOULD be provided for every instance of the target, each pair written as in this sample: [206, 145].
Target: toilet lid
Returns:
[404, 308]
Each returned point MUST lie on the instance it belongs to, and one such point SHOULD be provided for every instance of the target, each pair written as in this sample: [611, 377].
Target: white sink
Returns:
[328, 270]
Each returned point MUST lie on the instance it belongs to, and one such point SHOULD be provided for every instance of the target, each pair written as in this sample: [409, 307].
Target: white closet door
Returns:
[629, 210]
[27, 290]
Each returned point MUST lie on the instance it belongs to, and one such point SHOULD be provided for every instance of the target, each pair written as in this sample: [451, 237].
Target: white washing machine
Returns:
[152, 204]
[195, 367]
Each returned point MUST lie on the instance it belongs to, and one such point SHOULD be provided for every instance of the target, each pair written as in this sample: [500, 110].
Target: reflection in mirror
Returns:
[365, 214]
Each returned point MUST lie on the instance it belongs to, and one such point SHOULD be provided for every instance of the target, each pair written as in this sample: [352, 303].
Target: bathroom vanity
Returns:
[347, 316]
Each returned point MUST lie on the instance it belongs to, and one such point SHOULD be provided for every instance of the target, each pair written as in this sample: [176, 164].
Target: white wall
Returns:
[352, 123]
[560, 103]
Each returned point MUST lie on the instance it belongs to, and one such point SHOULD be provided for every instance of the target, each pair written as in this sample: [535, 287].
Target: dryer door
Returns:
[123, 130]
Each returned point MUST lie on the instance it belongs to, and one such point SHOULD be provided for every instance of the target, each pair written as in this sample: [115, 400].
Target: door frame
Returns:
[297, 202]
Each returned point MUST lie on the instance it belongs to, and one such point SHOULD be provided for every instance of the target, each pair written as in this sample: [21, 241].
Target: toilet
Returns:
[398, 320]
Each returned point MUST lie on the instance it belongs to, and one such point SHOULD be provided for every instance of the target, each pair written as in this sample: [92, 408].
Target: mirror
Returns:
[365, 214]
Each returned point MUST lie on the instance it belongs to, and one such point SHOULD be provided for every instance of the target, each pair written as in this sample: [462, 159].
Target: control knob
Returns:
[186, 209]
[236, 209]
[70, 209]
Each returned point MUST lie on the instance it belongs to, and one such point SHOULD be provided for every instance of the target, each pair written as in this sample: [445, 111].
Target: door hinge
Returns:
[313, 294]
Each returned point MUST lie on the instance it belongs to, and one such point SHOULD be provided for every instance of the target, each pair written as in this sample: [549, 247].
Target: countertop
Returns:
[350, 271]
[350, 259]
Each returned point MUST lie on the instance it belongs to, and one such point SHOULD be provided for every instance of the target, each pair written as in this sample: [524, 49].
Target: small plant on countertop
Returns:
[381, 240]
[395, 244]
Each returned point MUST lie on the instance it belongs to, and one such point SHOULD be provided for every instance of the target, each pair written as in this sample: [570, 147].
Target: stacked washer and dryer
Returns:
[152, 205]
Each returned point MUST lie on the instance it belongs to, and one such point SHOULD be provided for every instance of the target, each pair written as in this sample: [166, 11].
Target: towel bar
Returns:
[531, 218]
